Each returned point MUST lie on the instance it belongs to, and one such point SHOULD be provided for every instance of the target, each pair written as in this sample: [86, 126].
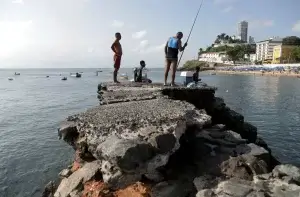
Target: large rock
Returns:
[135, 138]
[178, 139]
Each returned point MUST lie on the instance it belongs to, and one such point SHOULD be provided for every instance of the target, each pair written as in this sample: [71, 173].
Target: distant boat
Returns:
[10, 79]
[213, 73]
[17, 73]
[98, 71]
[77, 75]
[64, 78]
[47, 76]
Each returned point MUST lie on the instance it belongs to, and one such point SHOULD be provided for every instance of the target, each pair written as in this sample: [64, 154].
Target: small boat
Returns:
[10, 79]
[17, 73]
[47, 76]
[77, 75]
[213, 73]
[64, 78]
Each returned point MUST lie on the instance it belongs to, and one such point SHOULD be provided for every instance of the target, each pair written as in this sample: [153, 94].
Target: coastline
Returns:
[187, 147]
[258, 73]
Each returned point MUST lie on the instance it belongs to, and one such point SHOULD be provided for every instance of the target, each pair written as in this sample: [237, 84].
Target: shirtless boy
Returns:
[117, 49]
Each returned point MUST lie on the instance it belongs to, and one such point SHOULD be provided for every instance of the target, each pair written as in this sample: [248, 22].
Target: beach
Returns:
[275, 74]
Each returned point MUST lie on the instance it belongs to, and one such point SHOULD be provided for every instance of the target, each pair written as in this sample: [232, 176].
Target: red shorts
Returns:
[117, 61]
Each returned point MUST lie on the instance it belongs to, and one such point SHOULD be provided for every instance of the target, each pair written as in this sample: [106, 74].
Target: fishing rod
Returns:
[191, 31]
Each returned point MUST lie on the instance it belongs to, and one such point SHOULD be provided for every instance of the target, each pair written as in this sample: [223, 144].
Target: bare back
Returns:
[117, 48]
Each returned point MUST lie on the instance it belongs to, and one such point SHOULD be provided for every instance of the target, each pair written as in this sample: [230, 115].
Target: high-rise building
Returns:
[251, 40]
[243, 30]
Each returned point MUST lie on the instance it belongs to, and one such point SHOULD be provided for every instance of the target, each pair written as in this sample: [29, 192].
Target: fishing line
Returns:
[191, 31]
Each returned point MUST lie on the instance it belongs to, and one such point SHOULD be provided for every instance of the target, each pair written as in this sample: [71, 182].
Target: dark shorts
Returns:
[117, 62]
[172, 62]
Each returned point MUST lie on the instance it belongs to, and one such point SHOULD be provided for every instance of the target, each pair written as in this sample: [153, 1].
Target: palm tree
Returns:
[222, 36]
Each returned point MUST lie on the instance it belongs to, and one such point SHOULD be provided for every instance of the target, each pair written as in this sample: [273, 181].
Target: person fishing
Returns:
[138, 72]
[172, 48]
[117, 49]
[196, 75]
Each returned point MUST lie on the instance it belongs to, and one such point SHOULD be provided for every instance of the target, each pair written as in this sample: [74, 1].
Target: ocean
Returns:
[32, 106]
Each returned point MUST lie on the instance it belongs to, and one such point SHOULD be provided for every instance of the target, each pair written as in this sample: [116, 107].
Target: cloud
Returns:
[139, 34]
[91, 50]
[117, 24]
[145, 47]
[296, 26]
[218, 2]
[158, 48]
[227, 9]
[261, 23]
[18, 1]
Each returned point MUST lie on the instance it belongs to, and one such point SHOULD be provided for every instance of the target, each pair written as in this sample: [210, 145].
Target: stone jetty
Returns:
[147, 140]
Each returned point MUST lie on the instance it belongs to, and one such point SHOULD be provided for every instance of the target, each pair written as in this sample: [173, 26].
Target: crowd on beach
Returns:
[289, 70]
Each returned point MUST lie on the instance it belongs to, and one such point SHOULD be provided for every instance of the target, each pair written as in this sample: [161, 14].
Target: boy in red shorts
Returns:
[117, 49]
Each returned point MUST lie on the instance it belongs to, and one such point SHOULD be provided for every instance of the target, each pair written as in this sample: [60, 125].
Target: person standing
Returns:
[172, 48]
[117, 49]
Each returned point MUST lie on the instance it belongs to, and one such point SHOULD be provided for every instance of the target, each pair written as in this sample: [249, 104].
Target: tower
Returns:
[243, 30]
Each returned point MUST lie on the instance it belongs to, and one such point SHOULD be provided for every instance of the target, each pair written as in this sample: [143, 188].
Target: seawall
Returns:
[150, 140]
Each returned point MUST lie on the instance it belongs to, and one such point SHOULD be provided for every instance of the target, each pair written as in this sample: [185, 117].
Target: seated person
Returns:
[138, 72]
[196, 75]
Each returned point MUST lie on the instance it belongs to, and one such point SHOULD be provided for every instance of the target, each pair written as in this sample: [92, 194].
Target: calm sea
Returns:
[32, 107]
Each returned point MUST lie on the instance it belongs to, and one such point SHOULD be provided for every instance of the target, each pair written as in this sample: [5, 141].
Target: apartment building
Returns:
[264, 49]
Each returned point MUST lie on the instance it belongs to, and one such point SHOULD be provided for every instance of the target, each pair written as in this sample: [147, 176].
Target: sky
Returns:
[79, 33]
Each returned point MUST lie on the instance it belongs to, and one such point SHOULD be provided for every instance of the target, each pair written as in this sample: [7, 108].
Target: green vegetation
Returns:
[296, 54]
[191, 65]
[291, 40]
[226, 38]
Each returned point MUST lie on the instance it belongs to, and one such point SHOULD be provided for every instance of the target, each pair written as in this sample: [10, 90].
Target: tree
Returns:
[249, 49]
[295, 54]
[235, 53]
[200, 52]
[291, 40]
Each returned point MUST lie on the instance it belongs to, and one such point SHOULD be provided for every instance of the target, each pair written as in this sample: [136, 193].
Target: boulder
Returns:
[287, 170]
[77, 179]
[65, 173]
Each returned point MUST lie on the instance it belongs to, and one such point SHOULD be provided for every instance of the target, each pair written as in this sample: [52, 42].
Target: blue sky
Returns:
[78, 33]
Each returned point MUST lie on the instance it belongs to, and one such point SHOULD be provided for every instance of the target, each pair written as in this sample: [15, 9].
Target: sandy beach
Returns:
[275, 74]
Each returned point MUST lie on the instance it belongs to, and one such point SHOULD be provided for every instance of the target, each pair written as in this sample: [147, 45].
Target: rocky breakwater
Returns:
[149, 140]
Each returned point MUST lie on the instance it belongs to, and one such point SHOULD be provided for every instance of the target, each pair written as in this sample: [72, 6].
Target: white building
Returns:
[264, 49]
[243, 30]
[216, 57]
[251, 57]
